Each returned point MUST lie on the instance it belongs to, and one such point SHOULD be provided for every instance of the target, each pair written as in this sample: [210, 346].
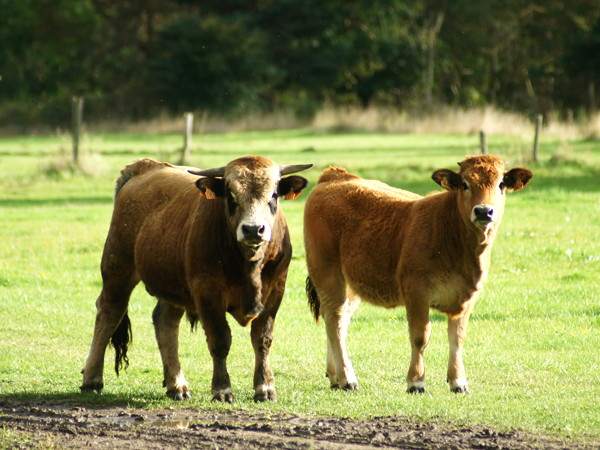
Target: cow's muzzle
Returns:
[483, 215]
[253, 234]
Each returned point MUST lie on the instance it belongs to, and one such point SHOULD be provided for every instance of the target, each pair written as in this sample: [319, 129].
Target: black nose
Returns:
[253, 232]
[483, 213]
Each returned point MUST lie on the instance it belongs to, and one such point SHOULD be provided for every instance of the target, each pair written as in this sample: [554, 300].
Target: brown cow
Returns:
[224, 251]
[389, 247]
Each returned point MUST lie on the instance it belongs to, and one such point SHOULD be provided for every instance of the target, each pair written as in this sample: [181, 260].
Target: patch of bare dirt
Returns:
[59, 426]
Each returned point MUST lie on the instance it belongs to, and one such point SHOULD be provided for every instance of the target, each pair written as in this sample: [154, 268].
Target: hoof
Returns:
[460, 390]
[223, 397]
[351, 386]
[267, 396]
[416, 390]
[179, 396]
[92, 389]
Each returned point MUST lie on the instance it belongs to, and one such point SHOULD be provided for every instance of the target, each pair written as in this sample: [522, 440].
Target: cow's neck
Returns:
[479, 249]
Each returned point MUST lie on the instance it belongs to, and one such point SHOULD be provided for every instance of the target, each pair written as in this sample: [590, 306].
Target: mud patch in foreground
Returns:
[67, 426]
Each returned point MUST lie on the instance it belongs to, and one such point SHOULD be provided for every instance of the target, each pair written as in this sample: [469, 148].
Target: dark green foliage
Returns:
[133, 59]
[212, 64]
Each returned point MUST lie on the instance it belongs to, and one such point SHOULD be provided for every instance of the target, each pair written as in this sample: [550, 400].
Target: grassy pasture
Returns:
[533, 351]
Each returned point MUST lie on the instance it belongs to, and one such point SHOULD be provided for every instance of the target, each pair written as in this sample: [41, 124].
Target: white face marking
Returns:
[253, 218]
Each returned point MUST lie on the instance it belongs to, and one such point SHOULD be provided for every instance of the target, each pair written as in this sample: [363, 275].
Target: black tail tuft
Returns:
[120, 341]
[193, 319]
[313, 298]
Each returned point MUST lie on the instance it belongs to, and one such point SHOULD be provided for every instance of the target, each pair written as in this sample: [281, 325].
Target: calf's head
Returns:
[251, 187]
[481, 185]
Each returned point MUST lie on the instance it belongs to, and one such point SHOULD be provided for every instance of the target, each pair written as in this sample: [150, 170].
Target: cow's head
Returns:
[481, 185]
[251, 187]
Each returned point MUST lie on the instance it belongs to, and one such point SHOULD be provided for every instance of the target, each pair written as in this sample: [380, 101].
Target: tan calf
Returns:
[368, 241]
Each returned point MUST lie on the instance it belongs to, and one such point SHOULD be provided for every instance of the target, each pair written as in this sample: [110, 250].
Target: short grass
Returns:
[532, 354]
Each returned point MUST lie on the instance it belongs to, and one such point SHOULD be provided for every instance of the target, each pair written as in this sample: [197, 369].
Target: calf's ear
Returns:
[211, 188]
[447, 179]
[517, 178]
[290, 187]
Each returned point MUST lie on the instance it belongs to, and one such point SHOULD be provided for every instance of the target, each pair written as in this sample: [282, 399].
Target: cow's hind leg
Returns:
[337, 311]
[111, 322]
[166, 318]
[262, 337]
[457, 333]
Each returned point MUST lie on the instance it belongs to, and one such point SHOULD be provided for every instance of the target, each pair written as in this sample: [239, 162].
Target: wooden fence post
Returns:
[484, 150]
[536, 142]
[187, 137]
[76, 123]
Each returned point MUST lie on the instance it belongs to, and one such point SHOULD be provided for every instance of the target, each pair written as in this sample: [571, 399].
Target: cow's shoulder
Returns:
[137, 168]
[336, 174]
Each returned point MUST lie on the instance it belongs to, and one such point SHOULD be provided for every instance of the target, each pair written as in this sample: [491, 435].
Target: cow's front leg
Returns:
[166, 319]
[457, 333]
[261, 334]
[218, 338]
[419, 330]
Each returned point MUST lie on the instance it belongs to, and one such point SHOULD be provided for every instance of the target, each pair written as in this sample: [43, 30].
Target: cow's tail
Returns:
[120, 341]
[313, 298]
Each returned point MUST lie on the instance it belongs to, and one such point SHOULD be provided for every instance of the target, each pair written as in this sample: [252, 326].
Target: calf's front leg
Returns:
[419, 330]
[457, 333]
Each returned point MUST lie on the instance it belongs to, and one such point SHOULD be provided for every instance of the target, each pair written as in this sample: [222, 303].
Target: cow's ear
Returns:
[290, 187]
[517, 178]
[211, 188]
[447, 179]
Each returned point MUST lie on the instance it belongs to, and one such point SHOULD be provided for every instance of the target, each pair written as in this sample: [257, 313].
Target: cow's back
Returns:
[153, 206]
[358, 226]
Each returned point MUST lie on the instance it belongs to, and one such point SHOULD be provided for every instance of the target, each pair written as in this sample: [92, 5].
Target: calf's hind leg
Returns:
[166, 318]
[337, 314]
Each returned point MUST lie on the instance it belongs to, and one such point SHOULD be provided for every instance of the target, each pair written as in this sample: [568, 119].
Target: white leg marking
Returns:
[459, 383]
[416, 385]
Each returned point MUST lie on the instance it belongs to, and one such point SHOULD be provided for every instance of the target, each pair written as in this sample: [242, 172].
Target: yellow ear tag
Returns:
[210, 195]
[292, 195]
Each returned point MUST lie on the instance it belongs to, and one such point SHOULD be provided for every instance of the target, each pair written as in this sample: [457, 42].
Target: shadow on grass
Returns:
[28, 203]
[84, 399]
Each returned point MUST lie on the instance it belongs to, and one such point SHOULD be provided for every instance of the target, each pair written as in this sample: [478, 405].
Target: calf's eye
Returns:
[465, 186]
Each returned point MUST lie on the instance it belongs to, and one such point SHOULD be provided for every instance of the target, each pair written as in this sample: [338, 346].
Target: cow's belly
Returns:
[161, 268]
[375, 289]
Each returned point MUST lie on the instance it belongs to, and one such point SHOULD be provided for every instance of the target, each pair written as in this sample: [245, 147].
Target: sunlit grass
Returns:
[531, 356]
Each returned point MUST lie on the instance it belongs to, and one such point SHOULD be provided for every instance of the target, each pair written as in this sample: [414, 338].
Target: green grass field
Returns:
[533, 351]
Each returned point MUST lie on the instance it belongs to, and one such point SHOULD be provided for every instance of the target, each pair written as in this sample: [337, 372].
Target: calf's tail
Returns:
[314, 302]
[120, 341]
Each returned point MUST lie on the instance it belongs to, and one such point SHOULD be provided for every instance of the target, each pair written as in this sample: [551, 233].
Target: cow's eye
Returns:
[465, 186]
[231, 202]
[501, 186]
[273, 203]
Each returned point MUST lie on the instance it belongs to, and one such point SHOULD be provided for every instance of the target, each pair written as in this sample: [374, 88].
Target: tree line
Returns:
[132, 59]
